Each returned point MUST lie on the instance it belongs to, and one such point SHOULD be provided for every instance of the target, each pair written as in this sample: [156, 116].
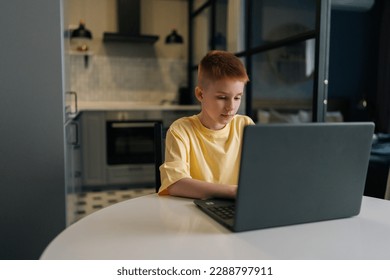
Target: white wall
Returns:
[130, 71]
[99, 15]
[158, 17]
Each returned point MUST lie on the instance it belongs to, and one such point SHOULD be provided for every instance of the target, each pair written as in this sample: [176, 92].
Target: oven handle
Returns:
[135, 168]
[131, 124]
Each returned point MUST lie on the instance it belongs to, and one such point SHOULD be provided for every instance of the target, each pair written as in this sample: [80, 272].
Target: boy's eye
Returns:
[222, 97]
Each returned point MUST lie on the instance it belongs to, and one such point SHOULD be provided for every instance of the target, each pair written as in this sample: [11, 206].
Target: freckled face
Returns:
[220, 102]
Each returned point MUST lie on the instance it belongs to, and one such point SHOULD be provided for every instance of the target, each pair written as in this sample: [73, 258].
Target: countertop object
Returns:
[153, 227]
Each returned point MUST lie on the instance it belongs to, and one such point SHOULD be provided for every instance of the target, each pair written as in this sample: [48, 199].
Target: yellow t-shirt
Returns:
[194, 151]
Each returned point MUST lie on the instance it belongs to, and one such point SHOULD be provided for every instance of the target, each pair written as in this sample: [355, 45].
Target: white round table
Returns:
[155, 227]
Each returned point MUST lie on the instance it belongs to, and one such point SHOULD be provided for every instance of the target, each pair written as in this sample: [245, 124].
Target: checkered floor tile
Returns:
[89, 202]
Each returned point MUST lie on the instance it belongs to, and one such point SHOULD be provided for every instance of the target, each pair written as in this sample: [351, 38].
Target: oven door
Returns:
[130, 142]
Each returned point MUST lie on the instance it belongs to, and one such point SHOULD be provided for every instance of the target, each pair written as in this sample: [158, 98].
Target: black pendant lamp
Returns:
[81, 32]
[81, 36]
[174, 38]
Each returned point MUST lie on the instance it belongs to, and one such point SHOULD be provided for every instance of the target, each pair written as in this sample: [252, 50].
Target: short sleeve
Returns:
[176, 165]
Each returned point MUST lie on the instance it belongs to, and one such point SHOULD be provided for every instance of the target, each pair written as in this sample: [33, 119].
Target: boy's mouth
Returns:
[227, 115]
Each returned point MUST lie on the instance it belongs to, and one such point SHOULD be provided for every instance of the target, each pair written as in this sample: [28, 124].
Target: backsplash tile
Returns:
[129, 79]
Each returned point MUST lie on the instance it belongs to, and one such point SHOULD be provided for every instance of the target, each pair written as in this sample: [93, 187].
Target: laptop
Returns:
[296, 173]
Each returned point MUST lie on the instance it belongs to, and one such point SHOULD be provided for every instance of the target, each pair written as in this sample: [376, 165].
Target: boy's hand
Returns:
[233, 191]
[188, 187]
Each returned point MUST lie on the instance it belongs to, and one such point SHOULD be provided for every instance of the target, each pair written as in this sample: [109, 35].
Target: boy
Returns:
[202, 153]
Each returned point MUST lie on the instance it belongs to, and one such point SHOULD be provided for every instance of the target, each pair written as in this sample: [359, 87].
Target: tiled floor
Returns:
[89, 202]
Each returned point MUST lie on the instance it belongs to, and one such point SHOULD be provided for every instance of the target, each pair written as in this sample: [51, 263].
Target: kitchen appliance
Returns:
[130, 147]
[130, 142]
[129, 24]
[118, 147]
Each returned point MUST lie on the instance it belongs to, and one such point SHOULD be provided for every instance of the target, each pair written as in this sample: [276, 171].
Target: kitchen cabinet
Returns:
[97, 171]
[72, 168]
[117, 146]
[93, 143]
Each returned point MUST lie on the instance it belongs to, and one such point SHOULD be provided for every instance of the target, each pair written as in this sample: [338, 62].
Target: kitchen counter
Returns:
[110, 106]
[131, 106]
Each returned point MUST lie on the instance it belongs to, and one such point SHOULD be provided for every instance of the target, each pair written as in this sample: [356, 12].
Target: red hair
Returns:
[218, 65]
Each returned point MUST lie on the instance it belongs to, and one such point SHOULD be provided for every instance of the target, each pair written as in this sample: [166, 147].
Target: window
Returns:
[285, 50]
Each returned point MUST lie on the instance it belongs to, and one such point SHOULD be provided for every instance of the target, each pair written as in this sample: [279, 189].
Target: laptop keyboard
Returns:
[225, 212]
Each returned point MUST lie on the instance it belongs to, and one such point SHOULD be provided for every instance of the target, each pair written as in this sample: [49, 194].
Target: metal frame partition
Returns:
[320, 34]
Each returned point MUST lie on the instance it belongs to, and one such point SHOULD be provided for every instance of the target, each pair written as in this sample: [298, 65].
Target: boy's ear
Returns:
[198, 94]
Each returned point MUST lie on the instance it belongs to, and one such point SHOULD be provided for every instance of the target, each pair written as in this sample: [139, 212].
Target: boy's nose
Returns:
[229, 105]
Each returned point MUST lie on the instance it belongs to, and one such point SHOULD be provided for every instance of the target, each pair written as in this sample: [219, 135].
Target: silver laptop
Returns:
[296, 173]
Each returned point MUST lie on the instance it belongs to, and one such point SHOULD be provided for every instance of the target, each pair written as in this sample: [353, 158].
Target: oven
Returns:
[129, 148]
[117, 147]
[130, 142]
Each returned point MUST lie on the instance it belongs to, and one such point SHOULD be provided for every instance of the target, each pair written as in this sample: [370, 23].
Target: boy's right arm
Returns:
[192, 188]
